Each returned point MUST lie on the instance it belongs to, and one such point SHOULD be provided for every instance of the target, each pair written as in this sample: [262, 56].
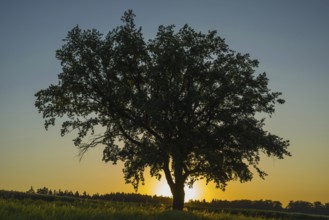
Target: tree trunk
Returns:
[178, 197]
[177, 186]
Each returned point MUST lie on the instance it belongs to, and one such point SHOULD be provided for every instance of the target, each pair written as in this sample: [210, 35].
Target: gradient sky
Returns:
[289, 38]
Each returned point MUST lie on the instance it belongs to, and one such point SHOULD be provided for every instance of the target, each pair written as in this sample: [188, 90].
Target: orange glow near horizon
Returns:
[162, 189]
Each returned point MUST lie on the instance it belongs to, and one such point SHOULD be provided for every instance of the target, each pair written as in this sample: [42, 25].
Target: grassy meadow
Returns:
[19, 205]
[88, 209]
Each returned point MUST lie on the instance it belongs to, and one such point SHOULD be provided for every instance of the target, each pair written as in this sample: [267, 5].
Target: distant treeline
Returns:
[267, 205]
[66, 195]
[293, 206]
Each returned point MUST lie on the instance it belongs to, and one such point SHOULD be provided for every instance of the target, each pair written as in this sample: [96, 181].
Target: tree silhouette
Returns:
[31, 190]
[43, 190]
[183, 104]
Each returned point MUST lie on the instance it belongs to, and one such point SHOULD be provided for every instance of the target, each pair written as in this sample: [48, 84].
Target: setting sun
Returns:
[190, 193]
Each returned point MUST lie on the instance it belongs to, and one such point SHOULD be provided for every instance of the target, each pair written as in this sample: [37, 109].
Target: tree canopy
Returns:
[182, 104]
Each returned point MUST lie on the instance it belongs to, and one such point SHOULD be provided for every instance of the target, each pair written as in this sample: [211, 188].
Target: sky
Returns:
[289, 38]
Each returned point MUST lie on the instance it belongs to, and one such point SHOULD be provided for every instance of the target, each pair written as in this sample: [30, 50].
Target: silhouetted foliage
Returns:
[133, 197]
[43, 190]
[247, 204]
[183, 104]
[293, 206]
[31, 190]
[308, 207]
[242, 204]
[68, 196]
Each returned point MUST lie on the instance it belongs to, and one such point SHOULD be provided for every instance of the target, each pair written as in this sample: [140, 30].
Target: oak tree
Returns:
[182, 104]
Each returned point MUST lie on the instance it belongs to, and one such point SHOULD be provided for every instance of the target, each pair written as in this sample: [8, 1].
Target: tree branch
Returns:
[167, 173]
[129, 115]
[126, 135]
[186, 172]
[83, 148]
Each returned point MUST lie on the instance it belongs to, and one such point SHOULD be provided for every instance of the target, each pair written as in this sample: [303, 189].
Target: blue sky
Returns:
[289, 38]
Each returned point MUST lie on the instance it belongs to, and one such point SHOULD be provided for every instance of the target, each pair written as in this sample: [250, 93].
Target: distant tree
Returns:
[76, 194]
[43, 190]
[183, 104]
[31, 190]
[68, 193]
[276, 205]
[299, 206]
[85, 195]
[267, 205]
[318, 205]
[326, 206]
[60, 192]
